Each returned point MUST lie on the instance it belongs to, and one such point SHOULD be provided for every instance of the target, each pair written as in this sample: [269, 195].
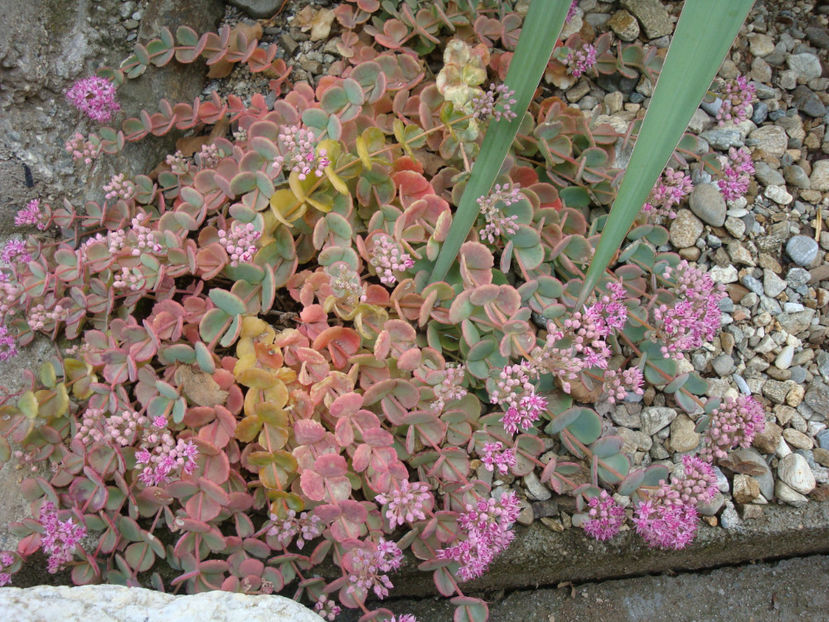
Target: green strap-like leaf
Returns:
[704, 33]
[539, 33]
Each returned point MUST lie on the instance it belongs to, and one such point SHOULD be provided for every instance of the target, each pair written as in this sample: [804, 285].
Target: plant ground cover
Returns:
[490, 316]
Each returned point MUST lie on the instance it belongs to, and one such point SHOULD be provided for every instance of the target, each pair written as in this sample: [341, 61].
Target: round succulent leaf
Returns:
[612, 469]
[586, 427]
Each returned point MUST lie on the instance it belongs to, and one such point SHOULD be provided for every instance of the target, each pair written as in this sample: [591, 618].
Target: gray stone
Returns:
[752, 284]
[652, 15]
[685, 229]
[807, 102]
[537, 491]
[634, 440]
[117, 603]
[723, 138]
[729, 519]
[823, 439]
[656, 418]
[805, 66]
[708, 204]
[796, 176]
[795, 323]
[820, 175]
[762, 473]
[739, 254]
[802, 249]
[769, 138]
[723, 365]
[766, 175]
[817, 398]
[622, 416]
[773, 285]
[713, 506]
[759, 113]
[818, 36]
[794, 471]
[258, 8]
[624, 25]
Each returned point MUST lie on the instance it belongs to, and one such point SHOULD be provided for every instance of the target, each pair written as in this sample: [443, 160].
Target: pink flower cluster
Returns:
[571, 12]
[128, 278]
[95, 97]
[304, 528]
[617, 383]
[9, 292]
[119, 187]
[31, 216]
[579, 61]
[669, 519]
[59, 538]
[695, 316]
[407, 502]
[406, 617]
[8, 348]
[734, 423]
[6, 560]
[451, 386]
[737, 96]
[82, 148]
[367, 565]
[145, 237]
[668, 192]
[345, 282]
[298, 144]
[123, 429]
[240, 242]
[496, 102]
[40, 317]
[736, 174]
[496, 457]
[666, 525]
[159, 456]
[699, 482]
[515, 393]
[497, 224]
[487, 529]
[15, 251]
[327, 608]
[208, 156]
[178, 163]
[606, 517]
[388, 257]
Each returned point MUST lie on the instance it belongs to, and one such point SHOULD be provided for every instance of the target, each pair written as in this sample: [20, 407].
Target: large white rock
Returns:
[116, 603]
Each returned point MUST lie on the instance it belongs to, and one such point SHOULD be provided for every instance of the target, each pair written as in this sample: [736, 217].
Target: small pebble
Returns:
[802, 250]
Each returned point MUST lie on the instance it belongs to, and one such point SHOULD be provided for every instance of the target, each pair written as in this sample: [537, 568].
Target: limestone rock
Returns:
[819, 179]
[761, 472]
[746, 488]
[116, 603]
[654, 18]
[787, 495]
[656, 418]
[685, 229]
[794, 471]
[683, 436]
[258, 8]
[769, 138]
[624, 25]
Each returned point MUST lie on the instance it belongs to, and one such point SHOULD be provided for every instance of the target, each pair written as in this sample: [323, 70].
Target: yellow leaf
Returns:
[295, 183]
[319, 205]
[362, 151]
[253, 326]
[256, 378]
[285, 207]
[336, 181]
[277, 393]
[28, 405]
[53, 403]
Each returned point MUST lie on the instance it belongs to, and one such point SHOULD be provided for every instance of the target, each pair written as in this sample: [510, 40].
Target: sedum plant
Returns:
[284, 349]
